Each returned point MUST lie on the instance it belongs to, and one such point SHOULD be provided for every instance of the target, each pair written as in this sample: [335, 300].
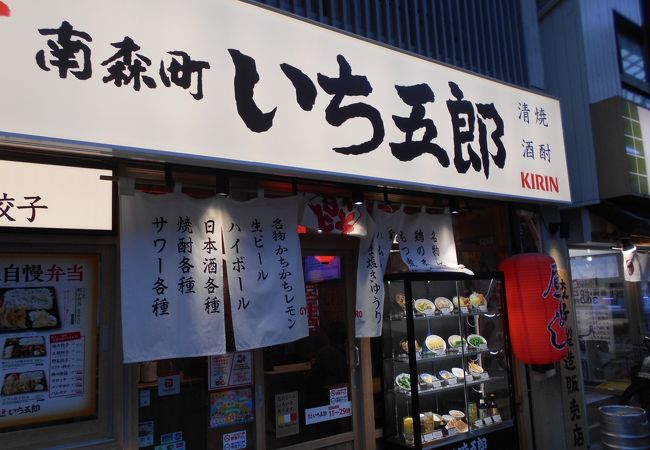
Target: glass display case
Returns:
[447, 369]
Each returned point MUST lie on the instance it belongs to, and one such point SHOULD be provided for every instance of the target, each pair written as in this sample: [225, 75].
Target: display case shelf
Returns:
[416, 413]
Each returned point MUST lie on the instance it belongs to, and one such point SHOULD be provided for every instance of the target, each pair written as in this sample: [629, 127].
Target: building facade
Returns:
[442, 108]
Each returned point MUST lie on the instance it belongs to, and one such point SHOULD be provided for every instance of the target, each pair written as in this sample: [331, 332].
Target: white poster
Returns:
[426, 242]
[374, 250]
[264, 267]
[230, 83]
[48, 337]
[172, 277]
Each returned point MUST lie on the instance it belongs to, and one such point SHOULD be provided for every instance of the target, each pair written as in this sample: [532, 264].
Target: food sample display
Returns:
[462, 365]
[28, 309]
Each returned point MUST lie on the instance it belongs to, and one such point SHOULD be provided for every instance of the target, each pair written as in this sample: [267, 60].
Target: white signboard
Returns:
[264, 267]
[232, 84]
[374, 250]
[172, 277]
[234, 441]
[48, 196]
[231, 369]
[426, 242]
[328, 412]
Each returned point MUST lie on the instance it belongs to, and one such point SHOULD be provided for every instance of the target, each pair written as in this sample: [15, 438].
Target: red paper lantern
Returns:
[535, 315]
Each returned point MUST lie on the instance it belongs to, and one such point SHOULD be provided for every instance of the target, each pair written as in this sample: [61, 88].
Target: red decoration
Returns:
[535, 314]
[324, 259]
[4, 10]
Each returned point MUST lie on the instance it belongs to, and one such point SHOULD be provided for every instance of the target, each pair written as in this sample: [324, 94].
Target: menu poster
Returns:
[48, 337]
[264, 267]
[231, 369]
[426, 242]
[172, 277]
[231, 407]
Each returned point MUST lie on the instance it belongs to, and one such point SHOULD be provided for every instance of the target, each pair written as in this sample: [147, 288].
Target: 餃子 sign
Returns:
[233, 84]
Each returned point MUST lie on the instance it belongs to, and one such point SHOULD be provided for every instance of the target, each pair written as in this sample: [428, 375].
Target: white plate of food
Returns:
[444, 305]
[424, 306]
[435, 343]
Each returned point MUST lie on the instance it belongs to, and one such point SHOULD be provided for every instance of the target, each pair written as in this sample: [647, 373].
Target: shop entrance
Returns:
[310, 385]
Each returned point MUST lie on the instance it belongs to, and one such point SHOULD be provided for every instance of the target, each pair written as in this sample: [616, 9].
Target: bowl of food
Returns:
[461, 301]
[476, 370]
[456, 342]
[478, 300]
[403, 382]
[476, 341]
[458, 373]
[427, 379]
[446, 375]
[456, 414]
[424, 306]
[435, 344]
[444, 305]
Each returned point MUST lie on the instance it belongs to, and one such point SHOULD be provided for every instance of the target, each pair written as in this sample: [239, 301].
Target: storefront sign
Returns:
[243, 90]
[328, 412]
[286, 414]
[264, 267]
[48, 310]
[234, 441]
[374, 250]
[231, 407]
[231, 369]
[426, 242]
[172, 277]
[576, 429]
[49, 196]
[170, 385]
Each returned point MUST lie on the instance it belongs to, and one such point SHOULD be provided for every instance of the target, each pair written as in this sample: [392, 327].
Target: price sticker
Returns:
[452, 381]
[427, 437]
[452, 431]
[479, 423]
[488, 421]
[497, 418]
[464, 310]
[437, 434]
[485, 376]
[437, 384]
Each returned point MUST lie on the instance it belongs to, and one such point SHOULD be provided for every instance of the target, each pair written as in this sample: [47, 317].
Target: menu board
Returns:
[48, 337]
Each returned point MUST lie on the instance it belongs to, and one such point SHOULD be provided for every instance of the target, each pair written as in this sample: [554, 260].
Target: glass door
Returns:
[309, 384]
